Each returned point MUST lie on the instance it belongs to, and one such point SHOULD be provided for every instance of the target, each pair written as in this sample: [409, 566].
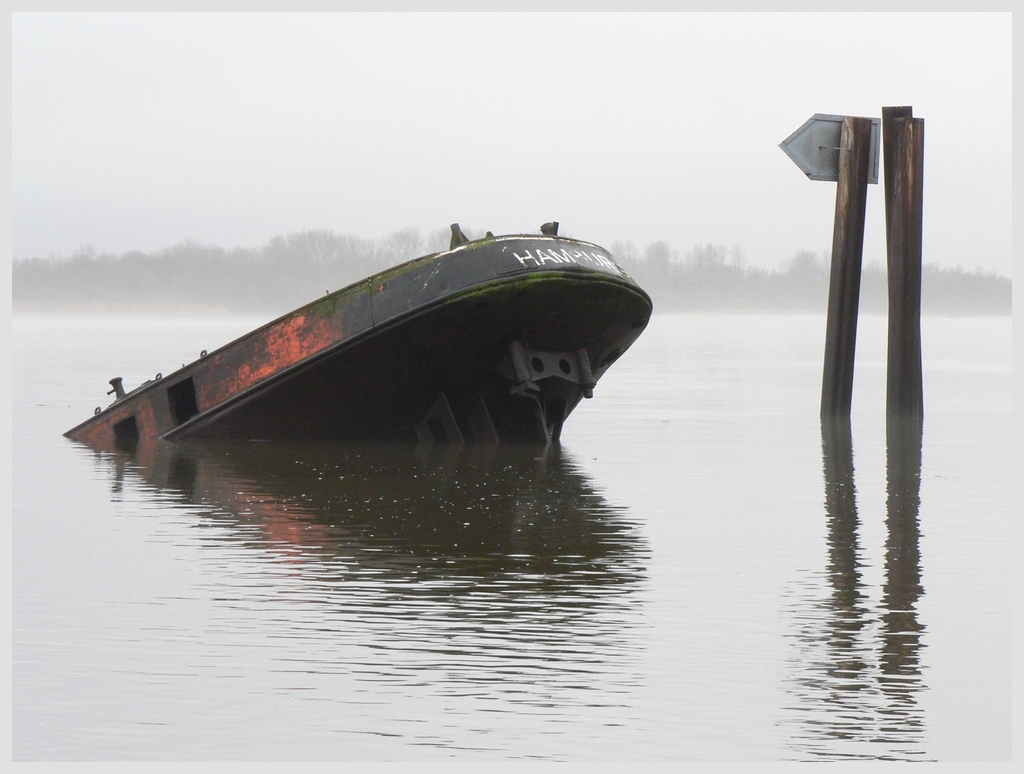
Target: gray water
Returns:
[693, 575]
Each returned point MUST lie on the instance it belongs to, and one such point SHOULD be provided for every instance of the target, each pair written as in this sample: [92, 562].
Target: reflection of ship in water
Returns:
[467, 509]
[495, 576]
[861, 667]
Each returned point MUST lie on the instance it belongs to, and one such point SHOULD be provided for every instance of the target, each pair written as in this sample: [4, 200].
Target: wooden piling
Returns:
[847, 254]
[903, 153]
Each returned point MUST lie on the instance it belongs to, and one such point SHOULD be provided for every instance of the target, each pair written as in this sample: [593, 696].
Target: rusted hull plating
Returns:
[494, 340]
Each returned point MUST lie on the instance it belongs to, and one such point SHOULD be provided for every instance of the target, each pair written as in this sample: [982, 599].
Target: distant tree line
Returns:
[292, 270]
[711, 277]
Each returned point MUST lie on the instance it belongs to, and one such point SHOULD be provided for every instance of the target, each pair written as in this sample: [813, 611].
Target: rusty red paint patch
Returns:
[289, 342]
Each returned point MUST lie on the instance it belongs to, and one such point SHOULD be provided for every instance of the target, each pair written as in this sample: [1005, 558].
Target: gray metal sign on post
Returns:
[815, 146]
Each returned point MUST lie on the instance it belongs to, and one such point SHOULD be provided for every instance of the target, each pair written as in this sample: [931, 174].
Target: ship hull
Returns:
[495, 340]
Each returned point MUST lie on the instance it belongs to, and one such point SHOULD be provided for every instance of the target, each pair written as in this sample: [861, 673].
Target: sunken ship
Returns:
[493, 340]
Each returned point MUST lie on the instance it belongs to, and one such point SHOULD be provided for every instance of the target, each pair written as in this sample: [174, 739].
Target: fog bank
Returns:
[292, 270]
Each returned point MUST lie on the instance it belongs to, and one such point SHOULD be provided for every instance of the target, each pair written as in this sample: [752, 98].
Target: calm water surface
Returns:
[697, 573]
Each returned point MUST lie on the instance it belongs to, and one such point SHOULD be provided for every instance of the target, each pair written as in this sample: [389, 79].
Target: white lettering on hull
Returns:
[541, 256]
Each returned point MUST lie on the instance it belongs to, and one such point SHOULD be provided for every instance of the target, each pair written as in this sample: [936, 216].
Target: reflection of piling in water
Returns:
[848, 658]
[901, 656]
[856, 693]
[841, 508]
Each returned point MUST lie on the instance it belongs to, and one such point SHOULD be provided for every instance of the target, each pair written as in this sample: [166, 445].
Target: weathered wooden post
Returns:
[844, 149]
[903, 144]
[847, 255]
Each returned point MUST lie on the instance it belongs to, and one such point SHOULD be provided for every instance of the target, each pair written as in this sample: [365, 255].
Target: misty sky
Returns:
[142, 131]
